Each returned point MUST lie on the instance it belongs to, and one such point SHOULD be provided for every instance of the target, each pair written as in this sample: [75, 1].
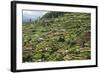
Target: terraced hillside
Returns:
[57, 36]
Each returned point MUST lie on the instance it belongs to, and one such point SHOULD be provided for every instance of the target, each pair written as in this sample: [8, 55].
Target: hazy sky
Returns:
[33, 15]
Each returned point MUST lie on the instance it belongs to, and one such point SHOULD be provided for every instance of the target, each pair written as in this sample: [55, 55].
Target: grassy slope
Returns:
[64, 36]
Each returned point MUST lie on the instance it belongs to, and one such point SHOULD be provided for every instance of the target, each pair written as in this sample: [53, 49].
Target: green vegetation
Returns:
[57, 36]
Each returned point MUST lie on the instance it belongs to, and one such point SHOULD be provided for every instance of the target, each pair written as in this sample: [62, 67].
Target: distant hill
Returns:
[50, 15]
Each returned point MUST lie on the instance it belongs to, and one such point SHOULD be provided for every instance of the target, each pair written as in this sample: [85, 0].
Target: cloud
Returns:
[34, 13]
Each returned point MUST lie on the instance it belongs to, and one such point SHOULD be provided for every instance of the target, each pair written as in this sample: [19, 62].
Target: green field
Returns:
[57, 36]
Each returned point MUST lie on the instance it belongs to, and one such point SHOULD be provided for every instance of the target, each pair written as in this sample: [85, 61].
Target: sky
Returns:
[33, 15]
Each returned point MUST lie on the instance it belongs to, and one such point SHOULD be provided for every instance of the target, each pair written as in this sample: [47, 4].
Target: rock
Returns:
[39, 60]
[66, 51]
[62, 30]
[40, 39]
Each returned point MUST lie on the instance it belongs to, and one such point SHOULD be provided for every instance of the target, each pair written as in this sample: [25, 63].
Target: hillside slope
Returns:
[57, 36]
